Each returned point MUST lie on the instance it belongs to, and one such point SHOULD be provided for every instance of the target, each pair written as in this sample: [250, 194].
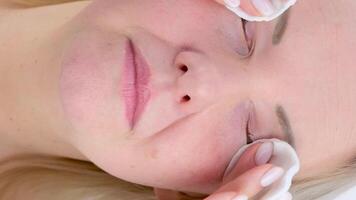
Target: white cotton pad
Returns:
[283, 156]
[280, 6]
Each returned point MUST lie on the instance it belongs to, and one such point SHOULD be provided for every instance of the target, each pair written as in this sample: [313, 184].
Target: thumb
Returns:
[249, 183]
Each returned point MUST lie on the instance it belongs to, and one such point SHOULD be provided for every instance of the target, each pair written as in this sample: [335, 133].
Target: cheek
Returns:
[194, 158]
[186, 165]
[190, 163]
[191, 155]
[195, 152]
[90, 80]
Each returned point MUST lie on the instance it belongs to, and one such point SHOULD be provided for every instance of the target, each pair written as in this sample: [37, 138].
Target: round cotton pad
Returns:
[283, 156]
[280, 7]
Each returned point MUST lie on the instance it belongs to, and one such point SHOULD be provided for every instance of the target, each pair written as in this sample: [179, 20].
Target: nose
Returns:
[207, 79]
[198, 85]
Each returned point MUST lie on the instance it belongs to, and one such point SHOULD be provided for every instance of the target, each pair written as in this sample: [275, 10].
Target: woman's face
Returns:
[160, 92]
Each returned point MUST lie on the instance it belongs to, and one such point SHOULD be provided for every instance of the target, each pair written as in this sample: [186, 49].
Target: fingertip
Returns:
[241, 197]
[240, 163]
[220, 2]
[286, 196]
[264, 153]
[255, 155]
[271, 176]
[249, 8]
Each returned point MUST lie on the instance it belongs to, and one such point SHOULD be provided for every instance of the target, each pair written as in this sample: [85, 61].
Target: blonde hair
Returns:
[39, 177]
[325, 184]
[44, 177]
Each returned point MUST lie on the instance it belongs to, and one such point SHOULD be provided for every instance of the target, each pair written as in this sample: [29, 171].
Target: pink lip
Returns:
[136, 77]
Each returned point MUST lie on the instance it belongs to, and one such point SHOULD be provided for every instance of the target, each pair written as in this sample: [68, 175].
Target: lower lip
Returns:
[135, 80]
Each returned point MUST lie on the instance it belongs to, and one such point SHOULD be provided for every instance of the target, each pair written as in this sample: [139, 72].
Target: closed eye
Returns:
[248, 36]
[248, 134]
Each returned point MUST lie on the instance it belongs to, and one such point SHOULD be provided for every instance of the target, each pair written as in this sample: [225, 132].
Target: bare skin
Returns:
[310, 73]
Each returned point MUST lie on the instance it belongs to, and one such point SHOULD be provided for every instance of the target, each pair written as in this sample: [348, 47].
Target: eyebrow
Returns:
[285, 124]
[280, 28]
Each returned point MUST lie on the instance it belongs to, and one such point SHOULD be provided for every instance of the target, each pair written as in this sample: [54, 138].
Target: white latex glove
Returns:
[258, 10]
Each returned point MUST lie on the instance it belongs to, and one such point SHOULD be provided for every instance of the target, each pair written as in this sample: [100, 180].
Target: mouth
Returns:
[135, 87]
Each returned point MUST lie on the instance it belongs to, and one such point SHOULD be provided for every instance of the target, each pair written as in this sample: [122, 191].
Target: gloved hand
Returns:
[250, 175]
[258, 10]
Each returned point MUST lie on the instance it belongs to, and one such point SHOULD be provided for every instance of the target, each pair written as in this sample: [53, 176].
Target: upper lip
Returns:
[136, 77]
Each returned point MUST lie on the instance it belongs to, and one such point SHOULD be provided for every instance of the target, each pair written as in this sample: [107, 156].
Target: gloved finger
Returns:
[258, 10]
[286, 196]
[248, 184]
[255, 155]
[248, 6]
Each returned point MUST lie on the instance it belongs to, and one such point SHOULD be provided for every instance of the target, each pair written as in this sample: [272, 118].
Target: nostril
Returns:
[185, 99]
[184, 68]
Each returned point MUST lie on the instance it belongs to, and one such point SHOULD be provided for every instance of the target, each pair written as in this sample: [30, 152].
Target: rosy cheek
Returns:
[193, 152]
[202, 172]
[199, 161]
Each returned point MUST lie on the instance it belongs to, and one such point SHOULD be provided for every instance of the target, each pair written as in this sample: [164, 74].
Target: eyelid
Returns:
[248, 30]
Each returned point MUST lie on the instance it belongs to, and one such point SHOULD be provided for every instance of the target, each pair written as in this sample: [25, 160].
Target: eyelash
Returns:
[249, 44]
[249, 136]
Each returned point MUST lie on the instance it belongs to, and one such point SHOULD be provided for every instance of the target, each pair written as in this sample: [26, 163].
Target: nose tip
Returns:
[196, 87]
